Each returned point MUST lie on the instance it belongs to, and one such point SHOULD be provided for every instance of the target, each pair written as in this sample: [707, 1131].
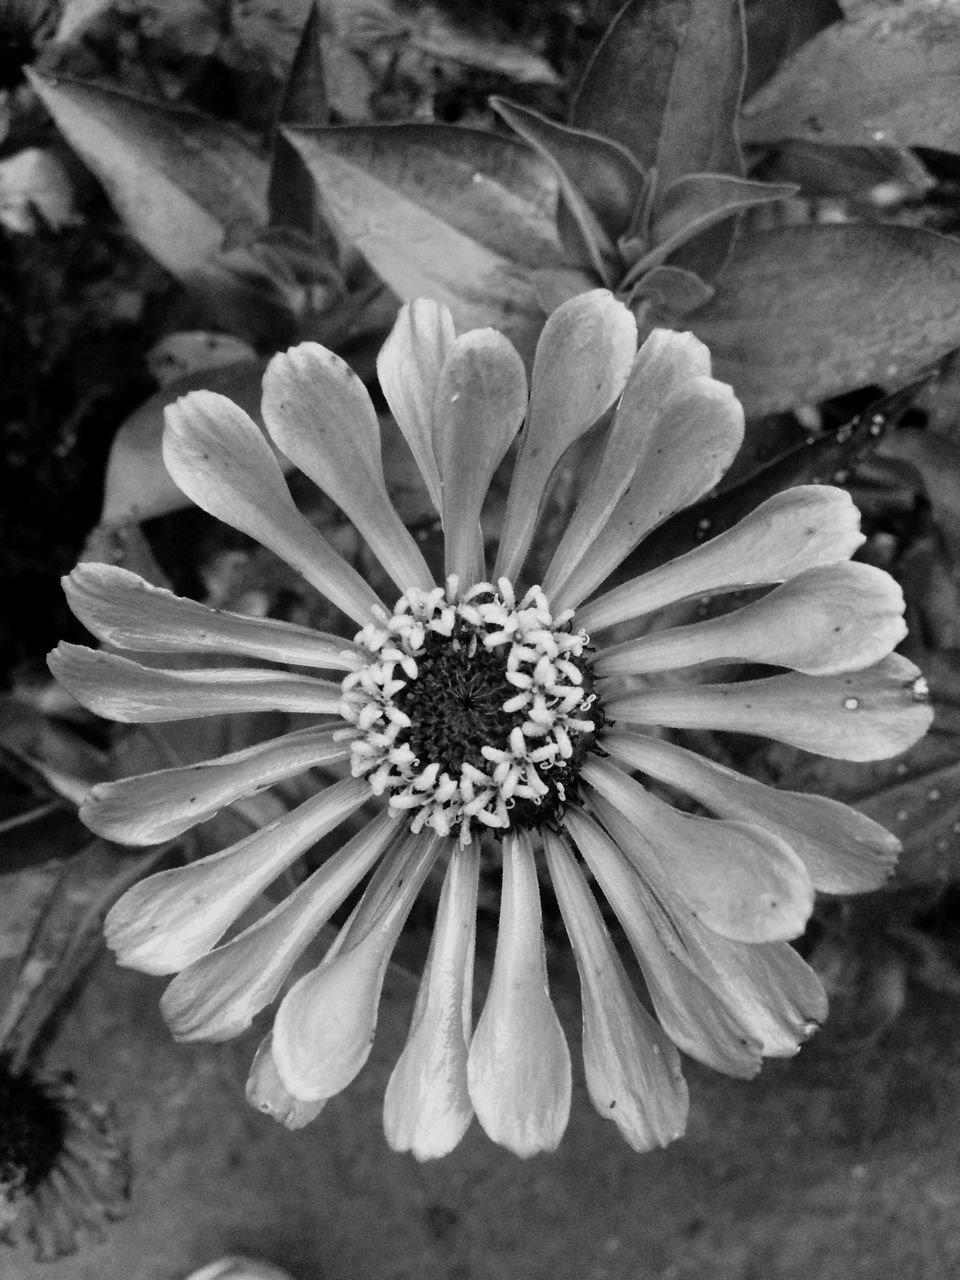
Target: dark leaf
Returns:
[828, 169]
[775, 30]
[889, 76]
[804, 313]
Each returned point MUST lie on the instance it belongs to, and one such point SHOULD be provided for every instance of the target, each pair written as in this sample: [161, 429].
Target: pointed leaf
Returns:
[179, 180]
[803, 313]
[892, 75]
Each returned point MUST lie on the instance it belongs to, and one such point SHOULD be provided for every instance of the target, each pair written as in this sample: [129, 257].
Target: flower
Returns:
[475, 712]
[64, 1169]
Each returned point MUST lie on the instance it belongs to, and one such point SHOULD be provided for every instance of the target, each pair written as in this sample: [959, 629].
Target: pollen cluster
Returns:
[472, 710]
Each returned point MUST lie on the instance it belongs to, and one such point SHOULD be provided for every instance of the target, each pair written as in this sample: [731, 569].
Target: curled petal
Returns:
[740, 881]
[695, 438]
[266, 1091]
[583, 358]
[801, 528]
[519, 1064]
[665, 362]
[152, 807]
[861, 715]
[427, 1107]
[122, 609]
[841, 617]
[409, 367]
[217, 996]
[120, 689]
[217, 456]
[843, 850]
[319, 414]
[480, 401]
[172, 918]
[324, 1026]
[632, 1068]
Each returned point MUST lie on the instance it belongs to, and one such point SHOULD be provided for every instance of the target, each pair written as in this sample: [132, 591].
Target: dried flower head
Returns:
[473, 712]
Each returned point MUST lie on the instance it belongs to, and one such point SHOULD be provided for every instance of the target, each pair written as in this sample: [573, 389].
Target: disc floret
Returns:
[470, 710]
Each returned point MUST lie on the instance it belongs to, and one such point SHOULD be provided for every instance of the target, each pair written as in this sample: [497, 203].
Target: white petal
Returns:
[409, 367]
[860, 715]
[739, 880]
[325, 1024]
[172, 918]
[665, 362]
[120, 689]
[798, 529]
[480, 401]
[519, 1064]
[840, 617]
[217, 996]
[152, 807]
[583, 357]
[694, 440]
[632, 1068]
[266, 1091]
[319, 414]
[843, 850]
[217, 456]
[427, 1107]
[122, 609]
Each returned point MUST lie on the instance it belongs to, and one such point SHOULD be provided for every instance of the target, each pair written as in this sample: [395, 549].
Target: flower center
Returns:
[31, 1132]
[472, 712]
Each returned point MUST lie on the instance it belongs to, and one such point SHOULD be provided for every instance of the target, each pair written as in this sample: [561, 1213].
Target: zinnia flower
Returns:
[473, 714]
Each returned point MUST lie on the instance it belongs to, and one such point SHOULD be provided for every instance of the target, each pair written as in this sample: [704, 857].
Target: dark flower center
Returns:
[32, 1128]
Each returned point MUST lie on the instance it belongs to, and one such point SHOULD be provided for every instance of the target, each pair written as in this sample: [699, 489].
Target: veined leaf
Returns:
[890, 76]
[802, 313]
[460, 215]
[179, 180]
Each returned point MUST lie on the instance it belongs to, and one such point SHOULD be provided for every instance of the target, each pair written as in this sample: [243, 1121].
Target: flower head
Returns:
[493, 714]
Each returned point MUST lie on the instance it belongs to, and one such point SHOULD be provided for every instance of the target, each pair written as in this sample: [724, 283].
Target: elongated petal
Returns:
[840, 617]
[583, 358]
[697, 1018]
[810, 525]
[740, 881]
[267, 1092]
[122, 609]
[843, 850]
[427, 1107]
[217, 996]
[152, 807]
[480, 401]
[325, 1024]
[666, 361]
[695, 439]
[409, 367]
[632, 1068]
[120, 689]
[171, 919]
[519, 1063]
[319, 414]
[217, 456]
[861, 715]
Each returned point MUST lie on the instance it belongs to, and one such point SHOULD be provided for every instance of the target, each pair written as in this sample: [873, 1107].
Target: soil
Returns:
[824, 1168]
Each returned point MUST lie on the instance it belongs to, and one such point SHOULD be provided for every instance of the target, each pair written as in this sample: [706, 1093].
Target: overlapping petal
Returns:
[121, 609]
[267, 1092]
[320, 415]
[519, 1063]
[218, 457]
[801, 528]
[172, 918]
[121, 689]
[584, 355]
[862, 715]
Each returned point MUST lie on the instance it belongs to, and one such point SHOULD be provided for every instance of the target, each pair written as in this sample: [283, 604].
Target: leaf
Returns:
[433, 34]
[775, 30]
[829, 169]
[665, 83]
[890, 76]
[179, 180]
[459, 215]
[803, 313]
